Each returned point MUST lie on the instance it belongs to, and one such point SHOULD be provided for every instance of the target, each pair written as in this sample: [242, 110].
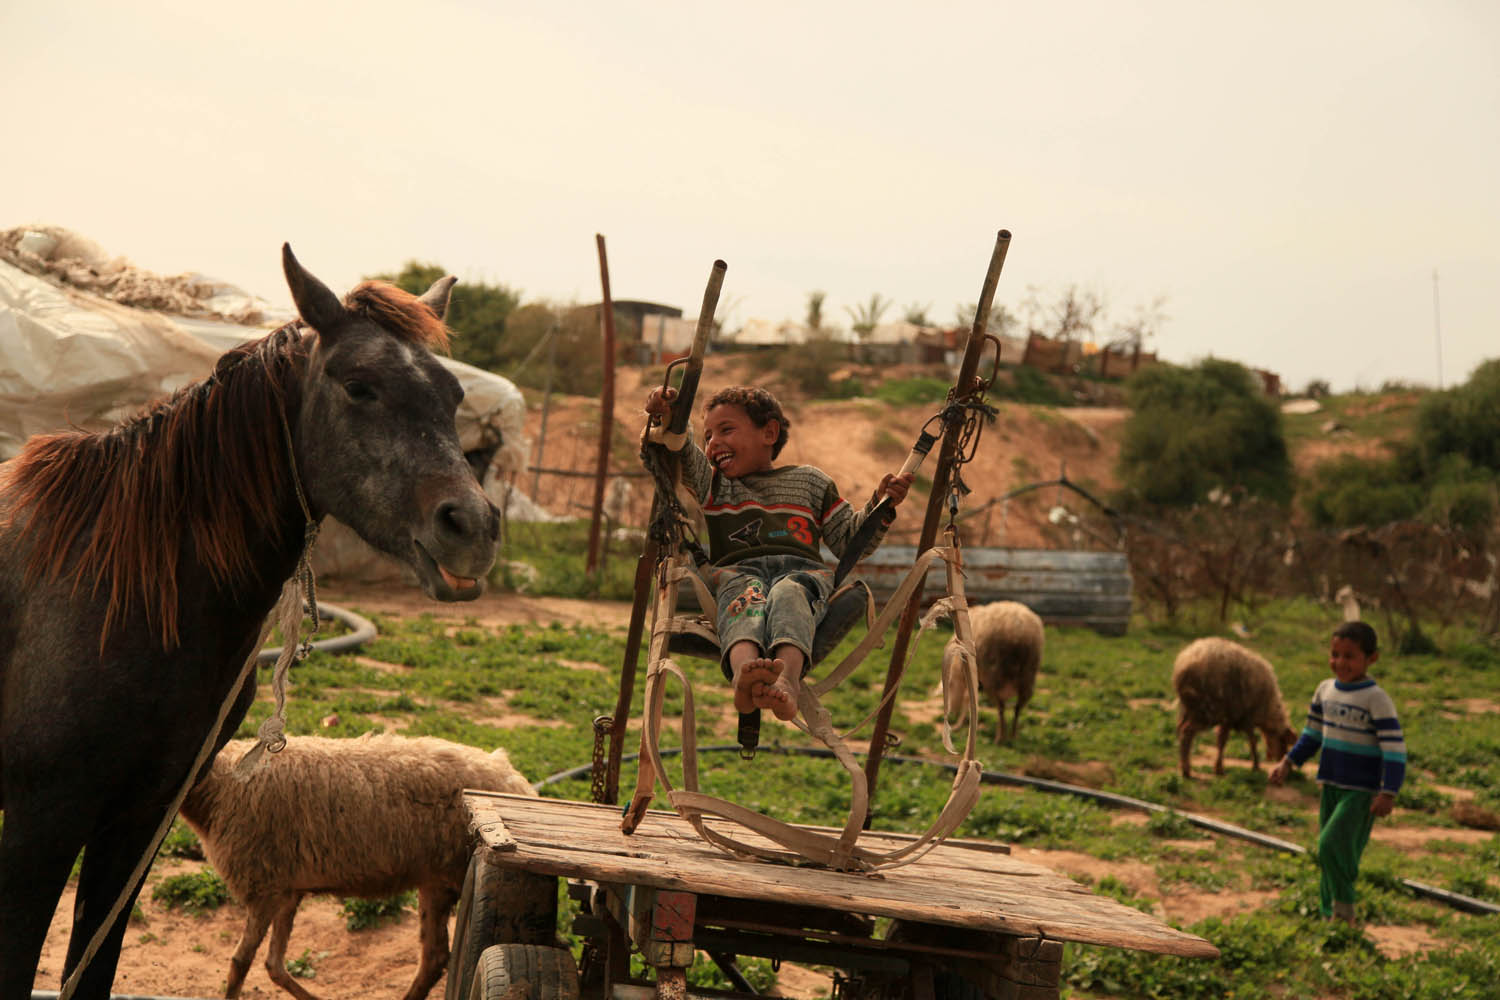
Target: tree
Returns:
[815, 311]
[477, 314]
[916, 314]
[866, 315]
[1194, 430]
[579, 366]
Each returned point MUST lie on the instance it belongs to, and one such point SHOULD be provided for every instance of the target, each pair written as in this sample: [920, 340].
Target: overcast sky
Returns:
[1287, 175]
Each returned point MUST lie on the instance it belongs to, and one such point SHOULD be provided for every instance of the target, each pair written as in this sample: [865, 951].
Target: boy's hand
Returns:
[895, 487]
[659, 403]
[1279, 772]
[1382, 804]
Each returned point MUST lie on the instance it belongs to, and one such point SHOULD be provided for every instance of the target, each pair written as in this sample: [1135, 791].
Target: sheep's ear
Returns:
[318, 306]
[436, 297]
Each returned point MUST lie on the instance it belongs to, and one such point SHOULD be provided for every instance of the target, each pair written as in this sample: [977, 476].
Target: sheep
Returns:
[1221, 683]
[1008, 651]
[366, 817]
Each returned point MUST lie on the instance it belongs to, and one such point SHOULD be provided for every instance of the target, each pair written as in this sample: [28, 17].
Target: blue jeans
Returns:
[771, 601]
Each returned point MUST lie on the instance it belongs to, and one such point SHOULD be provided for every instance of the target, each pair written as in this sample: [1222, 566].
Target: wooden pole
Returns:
[645, 567]
[941, 478]
[606, 409]
[541, 438]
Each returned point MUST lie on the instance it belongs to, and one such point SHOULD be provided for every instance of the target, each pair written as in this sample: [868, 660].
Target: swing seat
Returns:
[848, 605]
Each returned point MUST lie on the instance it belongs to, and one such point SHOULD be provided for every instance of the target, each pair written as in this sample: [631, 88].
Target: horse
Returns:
[137, 566]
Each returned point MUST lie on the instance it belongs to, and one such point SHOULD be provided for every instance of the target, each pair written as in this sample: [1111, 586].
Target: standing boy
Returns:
[1362, 765]
[765, 526]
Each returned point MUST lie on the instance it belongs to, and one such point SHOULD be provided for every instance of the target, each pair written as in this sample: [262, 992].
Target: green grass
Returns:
[1102, 708]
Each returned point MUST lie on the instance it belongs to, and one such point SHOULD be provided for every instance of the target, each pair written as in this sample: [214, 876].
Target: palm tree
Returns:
[866, 316]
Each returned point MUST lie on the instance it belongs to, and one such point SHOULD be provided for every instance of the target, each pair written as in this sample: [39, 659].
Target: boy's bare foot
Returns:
[781, 695]
[752, 679]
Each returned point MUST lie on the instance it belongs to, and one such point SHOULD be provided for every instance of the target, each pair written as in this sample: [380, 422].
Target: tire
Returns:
[462, 960]
[473, 928]
[497, 905]
[546, 973]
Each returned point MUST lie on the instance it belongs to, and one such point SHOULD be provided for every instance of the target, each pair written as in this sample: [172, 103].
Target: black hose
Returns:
[364, 631]
[1454, 899]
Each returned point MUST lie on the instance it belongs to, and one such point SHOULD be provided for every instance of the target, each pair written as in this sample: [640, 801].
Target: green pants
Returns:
[1344, 822]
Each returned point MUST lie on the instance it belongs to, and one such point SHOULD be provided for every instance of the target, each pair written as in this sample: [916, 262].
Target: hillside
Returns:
[858, 440]
[855, 441]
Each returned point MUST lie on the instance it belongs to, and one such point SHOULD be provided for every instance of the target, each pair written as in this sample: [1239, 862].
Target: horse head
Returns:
[376, 442]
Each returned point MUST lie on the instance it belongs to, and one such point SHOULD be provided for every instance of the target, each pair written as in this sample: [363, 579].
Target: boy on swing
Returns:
[765, 524]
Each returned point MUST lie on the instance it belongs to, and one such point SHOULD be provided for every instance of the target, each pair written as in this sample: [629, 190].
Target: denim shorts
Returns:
[771, 601]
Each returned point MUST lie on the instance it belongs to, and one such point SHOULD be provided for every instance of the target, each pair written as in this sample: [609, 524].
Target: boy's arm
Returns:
[1392, 748]
[1308, 742]
[697, 474]
[840, 527]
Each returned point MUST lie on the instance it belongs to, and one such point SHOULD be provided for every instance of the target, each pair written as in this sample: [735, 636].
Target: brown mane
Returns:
[400, 312]
[111, 509]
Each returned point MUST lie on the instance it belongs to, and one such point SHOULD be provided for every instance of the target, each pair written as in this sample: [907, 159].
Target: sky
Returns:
[1285, 178]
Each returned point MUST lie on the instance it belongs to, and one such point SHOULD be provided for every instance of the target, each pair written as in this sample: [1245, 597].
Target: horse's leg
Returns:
[108, 862]
[434, 903]
[34, 864]
[281, 929]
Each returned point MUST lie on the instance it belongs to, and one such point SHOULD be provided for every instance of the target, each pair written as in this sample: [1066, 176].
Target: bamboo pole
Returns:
[941, 478]
[606, 409]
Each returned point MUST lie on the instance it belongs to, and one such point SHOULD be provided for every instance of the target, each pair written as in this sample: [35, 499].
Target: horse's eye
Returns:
[359, 391]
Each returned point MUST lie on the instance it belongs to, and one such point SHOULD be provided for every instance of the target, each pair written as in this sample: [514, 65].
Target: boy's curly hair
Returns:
[1359, 633]
[759, 405]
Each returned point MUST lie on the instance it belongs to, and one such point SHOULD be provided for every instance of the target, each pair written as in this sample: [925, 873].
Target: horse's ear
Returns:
[436, 297]
[318, 306]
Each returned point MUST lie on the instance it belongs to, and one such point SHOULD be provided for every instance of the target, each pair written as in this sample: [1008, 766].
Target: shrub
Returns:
[362, 914]
[197, 892]
[1194, 430]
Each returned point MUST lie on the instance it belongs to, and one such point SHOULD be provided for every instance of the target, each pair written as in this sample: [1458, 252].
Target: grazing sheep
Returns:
[1008, 651]
[1221, 683]
[365, 817]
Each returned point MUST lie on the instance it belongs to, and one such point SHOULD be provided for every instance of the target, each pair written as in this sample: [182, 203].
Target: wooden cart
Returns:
[967, 921]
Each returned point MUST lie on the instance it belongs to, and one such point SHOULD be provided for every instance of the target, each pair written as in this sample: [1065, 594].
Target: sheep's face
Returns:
[1278, 742]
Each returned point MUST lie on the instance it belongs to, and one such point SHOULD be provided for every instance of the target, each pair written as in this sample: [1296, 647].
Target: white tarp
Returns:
[71, 357]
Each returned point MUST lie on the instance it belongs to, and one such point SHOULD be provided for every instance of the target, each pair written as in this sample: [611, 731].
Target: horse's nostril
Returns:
[453, 519]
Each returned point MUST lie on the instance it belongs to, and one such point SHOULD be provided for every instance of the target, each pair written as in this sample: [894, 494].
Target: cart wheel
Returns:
[473, 929]
[543, 973]
[497, 905]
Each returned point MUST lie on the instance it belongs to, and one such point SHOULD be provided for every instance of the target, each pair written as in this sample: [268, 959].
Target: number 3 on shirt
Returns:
[800, 529]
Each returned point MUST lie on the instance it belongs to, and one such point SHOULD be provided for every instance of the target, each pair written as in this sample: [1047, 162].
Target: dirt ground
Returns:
[168, 953]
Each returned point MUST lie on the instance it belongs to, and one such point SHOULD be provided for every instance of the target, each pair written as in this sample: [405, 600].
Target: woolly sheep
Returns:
[1221, 683]
[1008, 651]
[365, 817]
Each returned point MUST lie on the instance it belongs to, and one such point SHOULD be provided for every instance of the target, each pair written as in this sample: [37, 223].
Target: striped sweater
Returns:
[784, 511]
[1360, 736]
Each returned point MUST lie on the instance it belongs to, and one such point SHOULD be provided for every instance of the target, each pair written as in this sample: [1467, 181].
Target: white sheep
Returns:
[1221, 683]
[366, 817]
[1008, 641]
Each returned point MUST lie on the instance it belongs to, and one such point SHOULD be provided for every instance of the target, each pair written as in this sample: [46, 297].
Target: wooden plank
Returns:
[952, 885]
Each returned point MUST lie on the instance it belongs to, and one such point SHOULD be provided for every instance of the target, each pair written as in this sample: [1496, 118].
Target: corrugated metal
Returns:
[1064, 587]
